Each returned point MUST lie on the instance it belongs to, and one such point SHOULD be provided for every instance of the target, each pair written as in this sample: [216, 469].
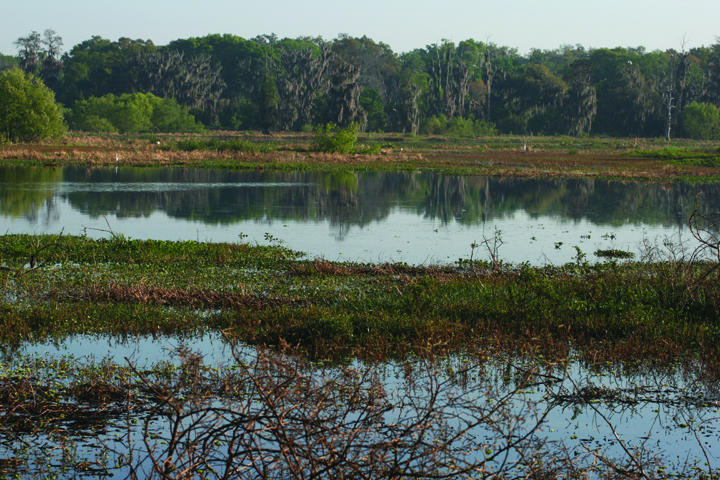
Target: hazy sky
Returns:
[402, 24]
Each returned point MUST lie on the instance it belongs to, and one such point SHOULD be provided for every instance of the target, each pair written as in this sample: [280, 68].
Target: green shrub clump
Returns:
[330, 138]
[131, 113]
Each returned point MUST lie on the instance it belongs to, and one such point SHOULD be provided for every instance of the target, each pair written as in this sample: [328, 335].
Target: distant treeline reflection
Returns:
[343, 199]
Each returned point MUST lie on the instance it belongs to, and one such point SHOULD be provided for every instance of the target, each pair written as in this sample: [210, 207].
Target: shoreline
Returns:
[623, 159]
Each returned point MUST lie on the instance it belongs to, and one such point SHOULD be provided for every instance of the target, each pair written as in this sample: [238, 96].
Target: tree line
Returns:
[470, 88]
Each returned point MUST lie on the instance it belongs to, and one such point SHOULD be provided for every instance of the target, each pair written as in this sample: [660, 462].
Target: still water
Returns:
[663, 413]
[415, 217]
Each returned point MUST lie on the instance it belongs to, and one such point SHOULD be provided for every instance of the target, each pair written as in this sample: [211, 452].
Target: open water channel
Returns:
[414, 217]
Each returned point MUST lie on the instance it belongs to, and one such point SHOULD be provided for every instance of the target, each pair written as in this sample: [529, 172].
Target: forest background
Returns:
[471, 88]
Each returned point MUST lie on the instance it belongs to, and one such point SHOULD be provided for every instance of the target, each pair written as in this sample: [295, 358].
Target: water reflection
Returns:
[417, 217]
[578, 409]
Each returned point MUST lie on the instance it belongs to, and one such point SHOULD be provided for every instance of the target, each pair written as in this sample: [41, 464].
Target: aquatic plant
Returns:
[614, 253]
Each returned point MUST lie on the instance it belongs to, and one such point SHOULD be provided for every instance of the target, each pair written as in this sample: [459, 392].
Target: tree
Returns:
[260, 95]
[303, 77]
[98, 66]
[28, 111]
[372, 103]
[40, 55]
[376, 61]
[51, 65]
[193, 80]
[345, 106]
[408, 108]
[29, 51]
[448, 79]
[533, 100]
[581, 100]
[701, 121]
[268, 102]
[7, 62]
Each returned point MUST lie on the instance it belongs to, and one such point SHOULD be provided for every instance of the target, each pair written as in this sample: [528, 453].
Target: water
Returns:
[668, 413]
[415, 217]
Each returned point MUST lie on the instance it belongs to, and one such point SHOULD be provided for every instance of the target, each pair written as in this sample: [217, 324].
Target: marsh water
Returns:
[667, 414]
[414, 217]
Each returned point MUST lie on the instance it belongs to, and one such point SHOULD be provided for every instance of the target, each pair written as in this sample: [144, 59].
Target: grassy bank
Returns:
[637, 313]
[646, 159]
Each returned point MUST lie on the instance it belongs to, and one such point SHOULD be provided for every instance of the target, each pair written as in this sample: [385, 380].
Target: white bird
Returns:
[629, 62]
[116, 158]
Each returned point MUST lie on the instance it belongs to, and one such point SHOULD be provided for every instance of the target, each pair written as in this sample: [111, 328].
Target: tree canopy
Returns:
[28, 111]
[269, 83]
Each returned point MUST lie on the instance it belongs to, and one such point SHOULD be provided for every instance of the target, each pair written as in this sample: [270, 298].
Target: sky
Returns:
[403, 24]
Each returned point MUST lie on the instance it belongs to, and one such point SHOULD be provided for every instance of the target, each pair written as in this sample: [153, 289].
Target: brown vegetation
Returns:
[291, 150]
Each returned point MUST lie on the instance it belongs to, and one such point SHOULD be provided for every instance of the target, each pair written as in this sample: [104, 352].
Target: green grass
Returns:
[217, 145]
[696, 156]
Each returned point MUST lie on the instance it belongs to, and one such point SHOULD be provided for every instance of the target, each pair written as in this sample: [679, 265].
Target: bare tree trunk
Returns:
[668, 117]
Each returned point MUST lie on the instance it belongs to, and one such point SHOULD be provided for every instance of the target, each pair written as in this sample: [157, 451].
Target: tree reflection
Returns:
[27, 191]
[345, 199]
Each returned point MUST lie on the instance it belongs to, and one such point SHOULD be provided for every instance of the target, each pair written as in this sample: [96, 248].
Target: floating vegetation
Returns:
[614, 253]
[635, 312]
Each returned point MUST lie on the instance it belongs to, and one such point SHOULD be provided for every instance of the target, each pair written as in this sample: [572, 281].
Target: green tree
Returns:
[580, 105]
[28, 111]
[532, 101]
[98, 66]
[701, 121]
[268, 102]
[7, 62]
[372, 103]
[378, 65]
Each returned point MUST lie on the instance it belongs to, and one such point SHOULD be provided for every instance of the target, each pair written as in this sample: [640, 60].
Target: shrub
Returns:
[434, 125]
[131, 113]
[330, 138]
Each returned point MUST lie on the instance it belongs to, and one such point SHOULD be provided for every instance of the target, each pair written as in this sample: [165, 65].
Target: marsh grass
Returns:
[645, 312]
[217, 145]
[648, 159]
